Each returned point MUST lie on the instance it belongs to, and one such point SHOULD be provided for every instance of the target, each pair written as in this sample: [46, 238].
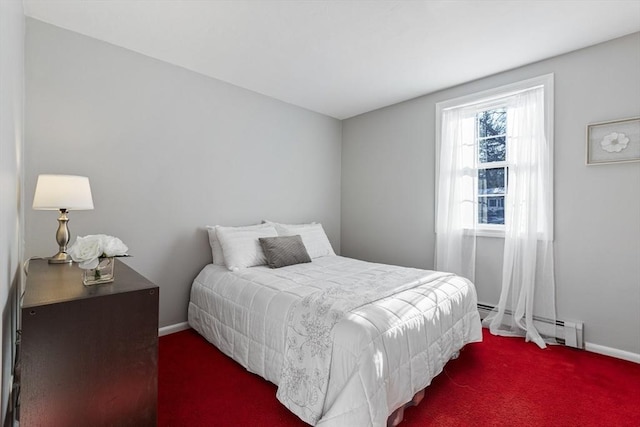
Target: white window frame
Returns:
[486, 100]
[489, 228]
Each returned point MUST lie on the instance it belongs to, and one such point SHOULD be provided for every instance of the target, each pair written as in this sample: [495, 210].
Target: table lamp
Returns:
[64, 193]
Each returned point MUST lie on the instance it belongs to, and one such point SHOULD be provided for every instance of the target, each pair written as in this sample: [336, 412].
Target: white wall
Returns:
[167, 151]
[11, 137]
[388, 190]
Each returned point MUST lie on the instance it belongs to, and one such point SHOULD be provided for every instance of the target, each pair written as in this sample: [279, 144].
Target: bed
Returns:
[347, 342]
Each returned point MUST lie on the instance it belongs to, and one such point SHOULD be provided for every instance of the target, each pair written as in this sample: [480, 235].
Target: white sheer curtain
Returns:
[528, 284]
[456, 197]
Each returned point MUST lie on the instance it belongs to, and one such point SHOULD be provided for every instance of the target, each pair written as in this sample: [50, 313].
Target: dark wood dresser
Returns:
[88, 354]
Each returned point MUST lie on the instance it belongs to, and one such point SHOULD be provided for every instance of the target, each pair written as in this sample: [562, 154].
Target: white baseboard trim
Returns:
[172, 329]
[613, 352]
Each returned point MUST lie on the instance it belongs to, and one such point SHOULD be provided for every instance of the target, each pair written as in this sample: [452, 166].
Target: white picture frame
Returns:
[616, 141]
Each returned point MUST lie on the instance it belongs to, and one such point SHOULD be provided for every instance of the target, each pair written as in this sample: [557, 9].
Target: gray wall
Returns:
[11, 142]
[167, 151]
[388, 190]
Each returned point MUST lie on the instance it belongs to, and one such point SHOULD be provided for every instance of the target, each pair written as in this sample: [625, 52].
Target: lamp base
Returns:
[60, 258]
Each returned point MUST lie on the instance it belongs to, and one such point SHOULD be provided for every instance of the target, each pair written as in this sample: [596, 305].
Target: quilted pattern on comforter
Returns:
[383, 352]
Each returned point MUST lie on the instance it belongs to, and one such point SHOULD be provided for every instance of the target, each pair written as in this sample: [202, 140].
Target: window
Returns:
[485, 129]
[492, 165]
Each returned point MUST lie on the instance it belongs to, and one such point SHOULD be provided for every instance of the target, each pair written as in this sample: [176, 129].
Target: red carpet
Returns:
[500, 382]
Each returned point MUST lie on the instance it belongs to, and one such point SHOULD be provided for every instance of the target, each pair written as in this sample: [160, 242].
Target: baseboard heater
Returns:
[566, 332]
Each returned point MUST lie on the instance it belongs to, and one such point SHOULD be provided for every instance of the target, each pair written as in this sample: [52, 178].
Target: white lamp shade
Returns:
[69, 192]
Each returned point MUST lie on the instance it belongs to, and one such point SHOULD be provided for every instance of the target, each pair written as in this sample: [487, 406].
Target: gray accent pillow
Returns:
[284, 250]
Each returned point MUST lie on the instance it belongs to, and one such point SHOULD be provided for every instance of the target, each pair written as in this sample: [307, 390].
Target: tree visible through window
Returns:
[492, 166]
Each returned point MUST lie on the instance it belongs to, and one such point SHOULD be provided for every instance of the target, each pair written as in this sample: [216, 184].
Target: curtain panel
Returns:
[528, 285]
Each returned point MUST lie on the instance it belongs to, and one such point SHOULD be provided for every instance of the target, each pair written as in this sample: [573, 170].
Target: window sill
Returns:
[487, 232]
[498, 234]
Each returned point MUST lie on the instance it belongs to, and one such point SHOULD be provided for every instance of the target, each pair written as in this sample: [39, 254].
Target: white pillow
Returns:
[216, 249]
[313, 237]
[282, 228]
[241, 247]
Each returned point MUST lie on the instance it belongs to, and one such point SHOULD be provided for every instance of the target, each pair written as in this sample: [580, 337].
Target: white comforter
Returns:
[382, 353]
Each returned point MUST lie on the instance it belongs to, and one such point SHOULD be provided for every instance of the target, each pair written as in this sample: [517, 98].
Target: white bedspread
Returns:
[382, 352]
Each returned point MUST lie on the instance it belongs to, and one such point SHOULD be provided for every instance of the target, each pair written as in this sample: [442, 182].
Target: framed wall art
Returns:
[616, 141]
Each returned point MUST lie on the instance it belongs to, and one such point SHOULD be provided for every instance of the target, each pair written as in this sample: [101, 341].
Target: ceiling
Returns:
[344, 58]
